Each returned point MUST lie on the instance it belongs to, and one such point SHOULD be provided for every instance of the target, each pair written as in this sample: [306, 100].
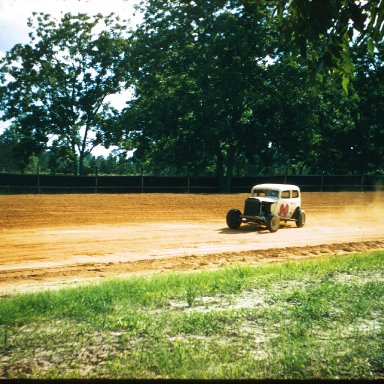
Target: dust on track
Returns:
[51, 241]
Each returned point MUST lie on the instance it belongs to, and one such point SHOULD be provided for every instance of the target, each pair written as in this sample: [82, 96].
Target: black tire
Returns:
[273, 223]
[234, 218]
[300, 218]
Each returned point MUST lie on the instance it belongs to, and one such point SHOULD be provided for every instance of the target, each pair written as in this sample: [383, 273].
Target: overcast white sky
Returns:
[15, 13]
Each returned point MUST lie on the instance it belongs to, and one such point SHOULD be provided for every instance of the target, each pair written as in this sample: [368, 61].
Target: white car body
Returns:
[268, 204]
[285, 198]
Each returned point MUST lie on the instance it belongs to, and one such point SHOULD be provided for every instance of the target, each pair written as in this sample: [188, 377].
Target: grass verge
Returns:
[320, 318]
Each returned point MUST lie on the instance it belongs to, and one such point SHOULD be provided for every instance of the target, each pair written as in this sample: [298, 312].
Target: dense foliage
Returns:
[54, 89]
[218, 88]
[328, 27]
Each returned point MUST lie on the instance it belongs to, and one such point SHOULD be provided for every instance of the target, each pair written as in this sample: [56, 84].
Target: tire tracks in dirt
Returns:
[31, 279]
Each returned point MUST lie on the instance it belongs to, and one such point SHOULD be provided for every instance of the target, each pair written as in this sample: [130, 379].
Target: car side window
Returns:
[273, 193]
[285, 195]
[295, 194]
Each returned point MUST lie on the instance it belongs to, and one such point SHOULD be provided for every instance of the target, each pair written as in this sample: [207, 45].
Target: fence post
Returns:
[142, 179]
[38, 179]
[96, 179]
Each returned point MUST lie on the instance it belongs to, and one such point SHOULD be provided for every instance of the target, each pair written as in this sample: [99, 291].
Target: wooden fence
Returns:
[39, 183]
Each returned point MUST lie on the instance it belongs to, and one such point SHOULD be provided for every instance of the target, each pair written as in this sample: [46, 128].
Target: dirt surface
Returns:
[50, 241]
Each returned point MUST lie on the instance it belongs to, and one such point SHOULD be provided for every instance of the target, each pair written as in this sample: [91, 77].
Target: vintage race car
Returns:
[268, 205]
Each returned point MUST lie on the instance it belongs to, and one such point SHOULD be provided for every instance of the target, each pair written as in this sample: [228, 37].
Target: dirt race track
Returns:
[52, 241]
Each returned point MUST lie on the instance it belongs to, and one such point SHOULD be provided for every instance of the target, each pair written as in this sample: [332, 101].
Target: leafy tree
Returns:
[54, 89]
[289, 113]
[337, 115]
[205, 100]
[369, 85]
[323, 31]
[8, 160]
[199, 69]
[62, 158]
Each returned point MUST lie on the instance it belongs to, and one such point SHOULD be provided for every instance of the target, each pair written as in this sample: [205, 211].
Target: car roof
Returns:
[280, 187]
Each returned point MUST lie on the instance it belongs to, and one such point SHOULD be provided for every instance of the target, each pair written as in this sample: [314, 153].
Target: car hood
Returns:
[264, 199]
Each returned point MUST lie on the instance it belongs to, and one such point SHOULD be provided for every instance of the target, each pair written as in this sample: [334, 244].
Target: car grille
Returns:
[252, 207]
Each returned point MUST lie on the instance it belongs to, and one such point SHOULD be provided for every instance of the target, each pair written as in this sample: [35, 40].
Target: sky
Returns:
[14, 15]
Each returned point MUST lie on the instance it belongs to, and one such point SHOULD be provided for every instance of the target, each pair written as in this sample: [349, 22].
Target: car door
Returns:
[295, 200]
[285, 209]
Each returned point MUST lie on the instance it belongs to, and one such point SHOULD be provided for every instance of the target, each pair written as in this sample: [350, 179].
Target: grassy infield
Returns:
[321, 318]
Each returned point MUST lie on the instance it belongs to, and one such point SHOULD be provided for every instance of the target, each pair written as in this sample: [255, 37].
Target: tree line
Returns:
[223, 88]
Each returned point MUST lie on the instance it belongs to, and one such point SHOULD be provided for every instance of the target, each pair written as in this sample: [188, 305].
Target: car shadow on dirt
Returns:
[251, 228]
[245, 228]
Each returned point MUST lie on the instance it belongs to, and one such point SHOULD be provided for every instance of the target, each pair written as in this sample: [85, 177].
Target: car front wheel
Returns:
[273, 223]
[234, 218]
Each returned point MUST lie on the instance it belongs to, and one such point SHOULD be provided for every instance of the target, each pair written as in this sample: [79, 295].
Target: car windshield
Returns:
[266, 193]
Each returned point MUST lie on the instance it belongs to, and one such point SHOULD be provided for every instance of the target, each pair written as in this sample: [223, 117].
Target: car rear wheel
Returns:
[300, 220]
[273, 223]
[234, 218]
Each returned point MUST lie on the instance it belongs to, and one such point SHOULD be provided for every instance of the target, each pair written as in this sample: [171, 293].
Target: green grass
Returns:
[297, 320]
